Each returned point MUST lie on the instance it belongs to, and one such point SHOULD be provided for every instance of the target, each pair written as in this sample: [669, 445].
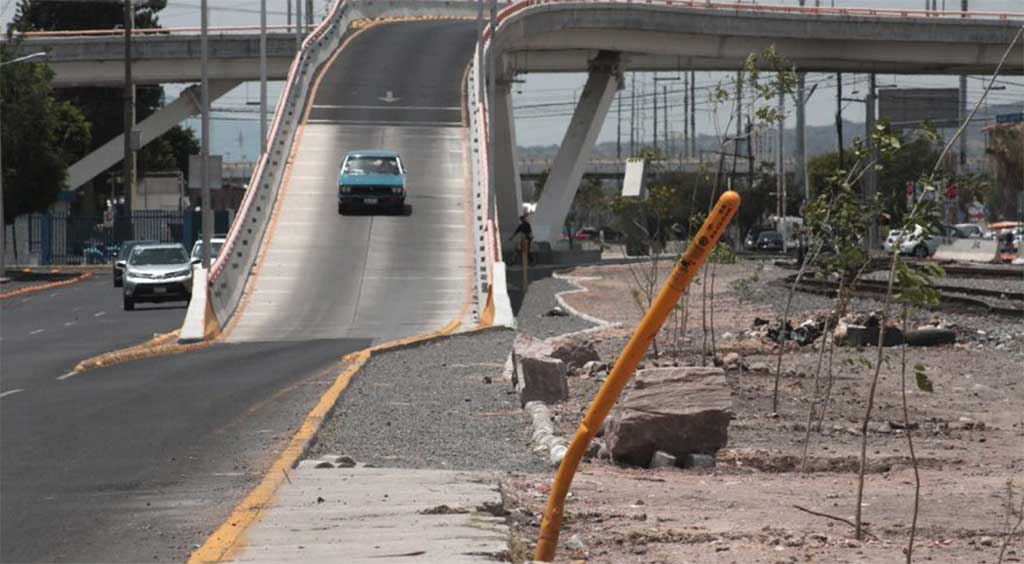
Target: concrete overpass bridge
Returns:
[605, 38]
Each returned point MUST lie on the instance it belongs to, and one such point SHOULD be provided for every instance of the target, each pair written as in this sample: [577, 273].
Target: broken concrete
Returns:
[541, 378]
[574, 352]
[676, 410]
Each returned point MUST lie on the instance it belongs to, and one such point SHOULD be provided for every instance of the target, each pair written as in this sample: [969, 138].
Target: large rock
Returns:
[524, 345]
[541, 378]
[575, 353]
[679, 411]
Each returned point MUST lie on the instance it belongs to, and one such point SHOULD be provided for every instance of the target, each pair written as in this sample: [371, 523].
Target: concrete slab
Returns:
[380, 515]
[968, 250]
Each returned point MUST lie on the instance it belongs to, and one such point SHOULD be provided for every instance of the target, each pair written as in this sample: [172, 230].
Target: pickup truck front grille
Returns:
[370, 190]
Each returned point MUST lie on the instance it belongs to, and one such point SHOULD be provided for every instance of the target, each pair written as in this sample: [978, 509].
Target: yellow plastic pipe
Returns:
[686, 269]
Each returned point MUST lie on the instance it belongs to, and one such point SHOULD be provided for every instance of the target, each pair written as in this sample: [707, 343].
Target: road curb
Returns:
[43, 287]
[158, 346]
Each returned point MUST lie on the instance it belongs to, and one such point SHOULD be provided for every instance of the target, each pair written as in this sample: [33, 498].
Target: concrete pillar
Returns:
[574, 153]
[507, 190]
[154, 126]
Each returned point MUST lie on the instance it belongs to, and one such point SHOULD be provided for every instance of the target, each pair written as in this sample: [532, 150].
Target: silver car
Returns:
[157, 273]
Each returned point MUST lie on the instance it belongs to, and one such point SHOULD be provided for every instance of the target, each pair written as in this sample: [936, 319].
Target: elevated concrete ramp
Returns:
[968, 250]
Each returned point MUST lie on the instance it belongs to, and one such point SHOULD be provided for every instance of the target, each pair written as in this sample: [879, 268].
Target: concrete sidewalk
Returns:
[380, 516]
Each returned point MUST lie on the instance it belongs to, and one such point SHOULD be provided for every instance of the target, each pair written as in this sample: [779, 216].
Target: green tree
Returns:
[41, 137]
[103, 106]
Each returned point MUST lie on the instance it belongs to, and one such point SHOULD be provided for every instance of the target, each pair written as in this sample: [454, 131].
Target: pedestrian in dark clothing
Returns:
[523, 232]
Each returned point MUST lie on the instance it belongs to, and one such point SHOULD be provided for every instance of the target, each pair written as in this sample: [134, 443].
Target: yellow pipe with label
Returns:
[686, 269]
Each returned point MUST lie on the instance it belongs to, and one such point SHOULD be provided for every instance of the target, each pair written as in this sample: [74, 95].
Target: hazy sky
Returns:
[236, 134]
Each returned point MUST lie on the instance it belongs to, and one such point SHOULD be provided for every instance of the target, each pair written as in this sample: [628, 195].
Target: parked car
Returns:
[750, 242]
[769, 241]
[917, 243]
[157, 273]
[371, 179]
[216, 243]
[122, 255]
[971, 230]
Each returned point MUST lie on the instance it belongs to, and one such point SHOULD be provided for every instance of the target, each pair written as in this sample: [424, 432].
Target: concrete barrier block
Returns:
[968, 250]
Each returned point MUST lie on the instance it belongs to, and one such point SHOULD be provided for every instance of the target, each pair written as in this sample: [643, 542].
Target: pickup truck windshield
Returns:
[371, 165]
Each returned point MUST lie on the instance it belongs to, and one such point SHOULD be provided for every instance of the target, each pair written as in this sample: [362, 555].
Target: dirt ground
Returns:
[968, 435]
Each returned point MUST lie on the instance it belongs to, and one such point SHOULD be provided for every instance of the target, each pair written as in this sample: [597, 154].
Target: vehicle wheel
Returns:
[921, 251]
[118, 283]
[129, 304]
[341, 208]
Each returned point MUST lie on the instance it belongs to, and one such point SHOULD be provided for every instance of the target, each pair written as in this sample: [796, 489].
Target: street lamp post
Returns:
[3, 223]
[204, 149]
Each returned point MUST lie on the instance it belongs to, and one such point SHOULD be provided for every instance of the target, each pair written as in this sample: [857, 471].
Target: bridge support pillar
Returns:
[508, 190]
[112, 152]
[574, 153]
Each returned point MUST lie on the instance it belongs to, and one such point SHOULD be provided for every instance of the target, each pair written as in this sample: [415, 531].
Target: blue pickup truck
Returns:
[371, 180]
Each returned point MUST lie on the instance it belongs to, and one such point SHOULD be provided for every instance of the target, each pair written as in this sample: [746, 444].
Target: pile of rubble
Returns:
[854, 330]
[668, 416]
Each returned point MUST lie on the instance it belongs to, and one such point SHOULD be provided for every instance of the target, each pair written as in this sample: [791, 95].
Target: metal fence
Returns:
[65, 238]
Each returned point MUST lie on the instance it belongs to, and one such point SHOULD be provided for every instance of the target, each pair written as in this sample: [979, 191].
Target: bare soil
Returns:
[968, 434]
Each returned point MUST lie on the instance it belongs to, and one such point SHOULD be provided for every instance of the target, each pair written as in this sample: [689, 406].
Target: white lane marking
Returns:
[9, 392]
[70, 323]
[37, 331]
[421, 108]
[99, 314]
[25, 300]
[66, 375]
[388, 98]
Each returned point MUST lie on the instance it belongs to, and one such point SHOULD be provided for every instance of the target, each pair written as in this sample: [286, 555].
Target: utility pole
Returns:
[693, 114]
[129, 107]
[492, 73]
[839, 118]
[263, 77]
[664, 117]
[309, 14]
[782, 168]
[963, 109]
[686, 115]
[289, 4]
[801, 131]
[481, 72]
[654, 99]
[204, 147]
[298, 24]
[632, 115]
[871, 176]
[618, 128]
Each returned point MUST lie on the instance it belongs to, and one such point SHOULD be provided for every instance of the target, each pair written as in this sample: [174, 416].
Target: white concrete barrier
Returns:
[193, 330]
[968, 250]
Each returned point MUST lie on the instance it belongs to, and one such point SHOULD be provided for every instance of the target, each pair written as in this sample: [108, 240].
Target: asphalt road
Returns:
[142, 461]
[380, 277]
[44, 334]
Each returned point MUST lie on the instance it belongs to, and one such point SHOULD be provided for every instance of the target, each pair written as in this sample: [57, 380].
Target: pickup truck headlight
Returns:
[396, 189]
[345, 189]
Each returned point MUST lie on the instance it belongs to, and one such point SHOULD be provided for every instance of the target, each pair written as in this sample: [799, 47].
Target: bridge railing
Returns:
[229, 274]
[488, 268]
[782, 9]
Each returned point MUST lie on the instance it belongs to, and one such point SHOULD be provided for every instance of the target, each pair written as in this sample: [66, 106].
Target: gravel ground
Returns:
[541, 298]
[431, 407]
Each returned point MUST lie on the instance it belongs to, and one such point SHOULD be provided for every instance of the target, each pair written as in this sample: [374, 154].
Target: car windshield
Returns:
[770, 236]
[197, 250]
[157, 256]
[127, 246]
[372, 165]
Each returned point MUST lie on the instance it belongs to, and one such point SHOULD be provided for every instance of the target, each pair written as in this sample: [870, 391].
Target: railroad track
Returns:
[952, 298]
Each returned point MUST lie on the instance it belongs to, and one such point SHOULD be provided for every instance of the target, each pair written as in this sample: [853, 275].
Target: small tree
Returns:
[41, 137]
